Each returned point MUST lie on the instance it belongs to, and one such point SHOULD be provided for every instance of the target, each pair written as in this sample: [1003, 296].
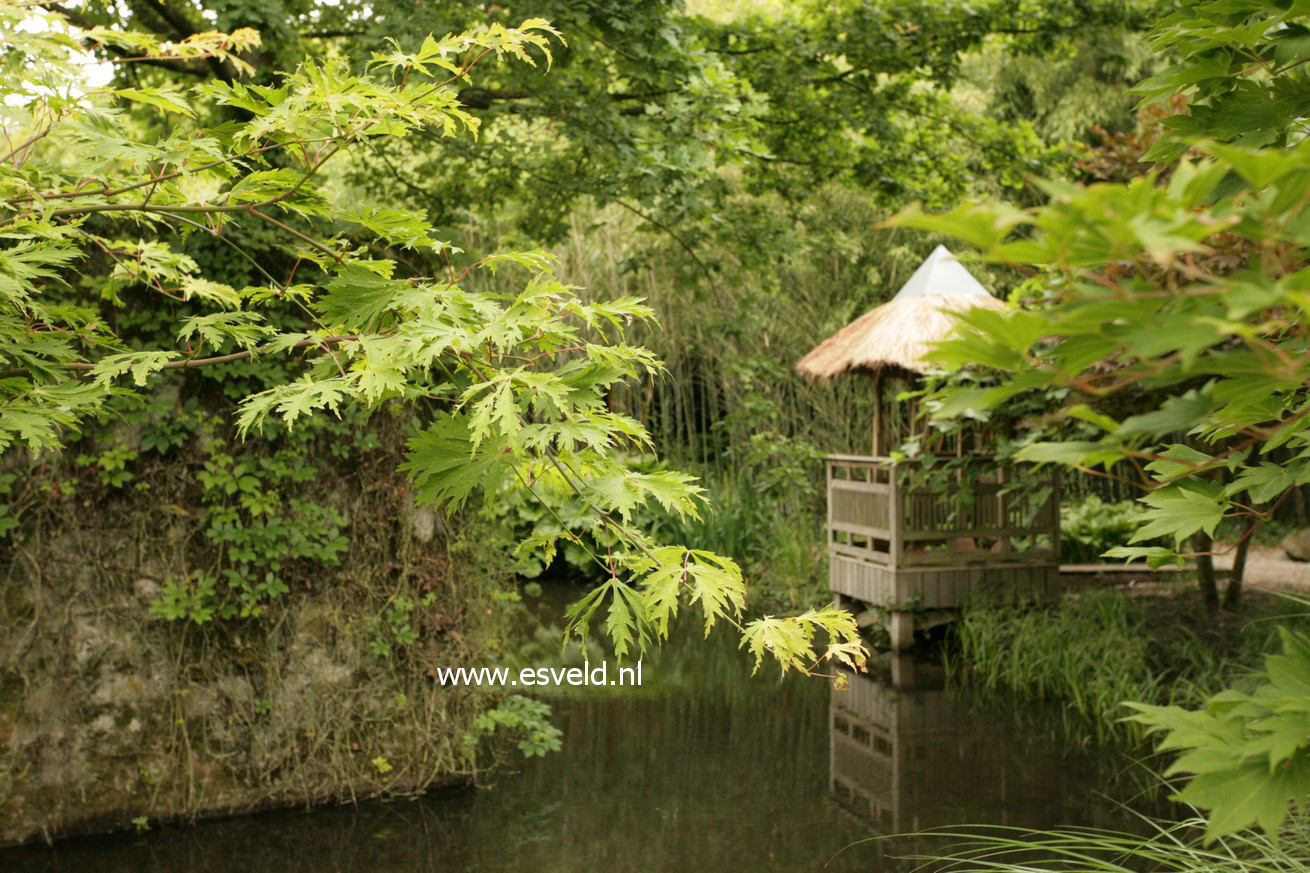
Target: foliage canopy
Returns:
[506, 382]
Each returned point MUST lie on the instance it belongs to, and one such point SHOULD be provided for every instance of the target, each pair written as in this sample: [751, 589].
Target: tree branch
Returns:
[88, 366]
[80, 21]
[182, 28]
[175, 19]
[482, 98]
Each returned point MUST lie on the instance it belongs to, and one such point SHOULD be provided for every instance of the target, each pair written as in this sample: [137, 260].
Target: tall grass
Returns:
[1104, 647]
[1170, 847]
[1090, 657]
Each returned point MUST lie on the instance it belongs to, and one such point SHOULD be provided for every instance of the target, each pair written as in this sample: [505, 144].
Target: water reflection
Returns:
[704, 768]
[906, 755]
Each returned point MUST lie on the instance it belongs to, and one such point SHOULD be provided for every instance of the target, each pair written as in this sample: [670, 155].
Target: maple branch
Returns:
[188, 363]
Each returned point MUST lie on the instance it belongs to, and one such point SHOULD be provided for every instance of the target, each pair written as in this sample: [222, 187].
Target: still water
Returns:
[703, 768]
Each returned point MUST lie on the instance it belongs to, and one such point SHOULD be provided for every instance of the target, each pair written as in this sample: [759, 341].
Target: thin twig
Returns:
[87, 366]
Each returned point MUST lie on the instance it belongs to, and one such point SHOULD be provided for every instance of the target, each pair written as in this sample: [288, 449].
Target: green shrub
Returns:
[521, 717]
[1091, 527]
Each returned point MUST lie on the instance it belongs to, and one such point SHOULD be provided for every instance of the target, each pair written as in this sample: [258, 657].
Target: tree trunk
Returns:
[1205, 579]
[1233, 593]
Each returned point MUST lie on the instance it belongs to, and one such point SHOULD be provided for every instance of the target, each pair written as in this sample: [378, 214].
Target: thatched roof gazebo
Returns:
[896, 335]
[900, 332]
[894, 540]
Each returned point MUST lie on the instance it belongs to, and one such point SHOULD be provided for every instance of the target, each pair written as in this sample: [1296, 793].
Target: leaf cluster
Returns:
[505, 369]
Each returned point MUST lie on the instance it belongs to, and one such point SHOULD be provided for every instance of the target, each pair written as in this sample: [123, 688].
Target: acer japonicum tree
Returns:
[1191, 281]
[651, 100]
[507, 382]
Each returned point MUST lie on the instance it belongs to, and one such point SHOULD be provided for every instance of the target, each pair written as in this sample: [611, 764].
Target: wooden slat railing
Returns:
[874, 518]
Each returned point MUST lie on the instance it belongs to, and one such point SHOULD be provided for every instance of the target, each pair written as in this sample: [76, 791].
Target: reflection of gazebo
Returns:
[909, 756]
[904, 548]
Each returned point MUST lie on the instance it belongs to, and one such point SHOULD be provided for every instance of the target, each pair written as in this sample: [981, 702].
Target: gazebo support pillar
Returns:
[901, 629]
[877, 413]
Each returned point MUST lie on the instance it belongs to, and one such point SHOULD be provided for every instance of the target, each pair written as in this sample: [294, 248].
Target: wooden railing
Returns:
[874, 516]
[861, 497]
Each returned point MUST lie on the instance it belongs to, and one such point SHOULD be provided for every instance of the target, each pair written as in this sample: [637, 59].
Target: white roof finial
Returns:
[941, 275]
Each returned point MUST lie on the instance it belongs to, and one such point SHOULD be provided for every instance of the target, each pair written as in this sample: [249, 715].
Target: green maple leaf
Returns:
[446, 465]
[398, 226]
[615, 492]
[358, 297]
[717, 585]
[674, 491]
[662, 586]
[1262, 483]
[1179, 511]
[139, 364]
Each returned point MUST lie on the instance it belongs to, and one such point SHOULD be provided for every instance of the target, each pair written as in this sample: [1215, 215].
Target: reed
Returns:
[1103, 647]
[1169, 846]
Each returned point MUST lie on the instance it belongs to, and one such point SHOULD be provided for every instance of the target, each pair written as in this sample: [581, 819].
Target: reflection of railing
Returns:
[908, 759]
[891, 749]
[880, 526]
[863, 765]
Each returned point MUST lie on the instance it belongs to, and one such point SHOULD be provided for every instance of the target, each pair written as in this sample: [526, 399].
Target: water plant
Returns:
[1102, 647]
[1169, 847]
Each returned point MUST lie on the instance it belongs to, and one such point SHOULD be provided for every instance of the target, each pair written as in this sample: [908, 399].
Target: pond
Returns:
[702, 768]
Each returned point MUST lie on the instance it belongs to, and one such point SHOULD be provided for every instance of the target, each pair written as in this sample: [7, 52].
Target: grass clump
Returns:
[1170, 846]
[1099, 648]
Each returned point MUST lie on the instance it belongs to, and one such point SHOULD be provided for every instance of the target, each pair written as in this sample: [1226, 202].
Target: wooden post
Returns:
[895, 512]
[902, 672]
[902, 630]
[1055, 514]
[827, 528]
[877, 413]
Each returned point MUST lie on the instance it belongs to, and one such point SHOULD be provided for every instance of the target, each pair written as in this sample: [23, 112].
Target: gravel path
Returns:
[1270, 568]
[1265, 568]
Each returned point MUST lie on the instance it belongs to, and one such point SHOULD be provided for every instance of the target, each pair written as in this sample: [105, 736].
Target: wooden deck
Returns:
[902, 548]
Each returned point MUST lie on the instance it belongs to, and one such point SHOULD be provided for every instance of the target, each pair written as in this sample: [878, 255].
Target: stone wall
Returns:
[109, 714]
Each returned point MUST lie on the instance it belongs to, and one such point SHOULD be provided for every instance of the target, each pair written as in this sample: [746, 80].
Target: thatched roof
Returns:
[900, 332]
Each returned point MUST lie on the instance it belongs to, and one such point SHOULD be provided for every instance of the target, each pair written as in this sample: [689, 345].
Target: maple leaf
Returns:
[446, 465]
